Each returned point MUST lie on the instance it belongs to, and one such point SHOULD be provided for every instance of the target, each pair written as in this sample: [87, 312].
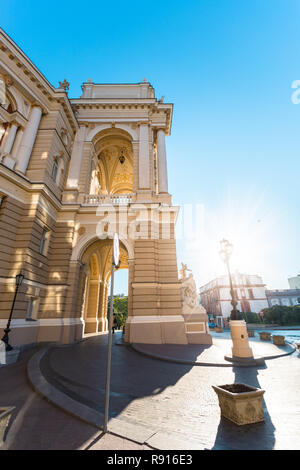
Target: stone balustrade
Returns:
[115, 199]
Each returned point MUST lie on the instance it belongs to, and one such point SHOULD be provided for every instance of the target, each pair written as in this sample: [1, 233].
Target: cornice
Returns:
[25, 184]
[40, 84]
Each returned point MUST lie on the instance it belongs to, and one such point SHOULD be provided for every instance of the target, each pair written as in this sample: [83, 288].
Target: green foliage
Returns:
[251, 317]
[120, 308]
[282, 315]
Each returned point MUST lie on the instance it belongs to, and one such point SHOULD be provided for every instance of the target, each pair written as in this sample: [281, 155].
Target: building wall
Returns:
[285, 297]
[42, 131]
[294, 282]
[249, 291]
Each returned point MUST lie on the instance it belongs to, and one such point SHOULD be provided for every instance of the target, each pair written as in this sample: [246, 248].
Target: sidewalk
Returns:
[38, 425]
[170, 405]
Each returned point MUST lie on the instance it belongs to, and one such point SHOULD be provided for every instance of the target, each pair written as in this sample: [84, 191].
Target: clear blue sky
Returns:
[228, 66]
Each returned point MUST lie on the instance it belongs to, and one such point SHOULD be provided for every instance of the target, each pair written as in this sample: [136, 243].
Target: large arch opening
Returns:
[97, 258]
[112, 171]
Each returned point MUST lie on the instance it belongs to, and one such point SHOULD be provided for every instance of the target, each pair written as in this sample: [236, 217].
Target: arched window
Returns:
[54, 170]
[44, 243]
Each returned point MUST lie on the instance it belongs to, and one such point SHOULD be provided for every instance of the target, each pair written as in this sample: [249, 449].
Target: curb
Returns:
[136, 348]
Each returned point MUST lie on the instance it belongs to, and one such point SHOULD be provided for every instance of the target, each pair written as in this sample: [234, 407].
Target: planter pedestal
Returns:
[278, 340]
[241, 352]
[5, 414]
[240, 403]
[265, 335]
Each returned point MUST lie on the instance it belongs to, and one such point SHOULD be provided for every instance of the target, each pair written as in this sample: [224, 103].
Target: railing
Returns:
[115, 199]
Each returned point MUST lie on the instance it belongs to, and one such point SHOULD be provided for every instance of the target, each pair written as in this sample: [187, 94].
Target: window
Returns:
[44, 242]
[54, 170]
[32, 309]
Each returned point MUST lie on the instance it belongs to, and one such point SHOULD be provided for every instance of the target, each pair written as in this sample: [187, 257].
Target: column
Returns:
[91, 320]
[17, 142]
[8, 144]
[105, 321]
[144, 163]
[28, 139]
[162, 162]
[76, 158]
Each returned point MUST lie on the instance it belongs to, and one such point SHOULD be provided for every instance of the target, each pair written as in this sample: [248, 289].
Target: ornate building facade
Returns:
[73, 172]
[249, 291]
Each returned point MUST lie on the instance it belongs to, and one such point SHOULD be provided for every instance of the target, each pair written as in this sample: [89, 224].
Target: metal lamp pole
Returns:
[115, 264]
[5, 339]
[241, 351]
[225, 252]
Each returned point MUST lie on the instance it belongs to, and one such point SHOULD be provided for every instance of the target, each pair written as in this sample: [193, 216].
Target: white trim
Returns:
[22, 323]
[12, 280]
[155, 319]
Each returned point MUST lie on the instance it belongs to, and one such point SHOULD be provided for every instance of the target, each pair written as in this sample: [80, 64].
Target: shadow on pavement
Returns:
[36, 424]
[258, 436]
[79, 371]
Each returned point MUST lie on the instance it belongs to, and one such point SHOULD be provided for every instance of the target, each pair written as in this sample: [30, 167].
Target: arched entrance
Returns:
[112, 171]
[97, 259]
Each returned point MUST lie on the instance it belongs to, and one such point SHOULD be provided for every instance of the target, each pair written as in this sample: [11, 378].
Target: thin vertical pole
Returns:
[108, 364]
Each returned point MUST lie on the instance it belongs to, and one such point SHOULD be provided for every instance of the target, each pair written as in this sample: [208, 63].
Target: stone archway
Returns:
[112, 167]
[97, 258]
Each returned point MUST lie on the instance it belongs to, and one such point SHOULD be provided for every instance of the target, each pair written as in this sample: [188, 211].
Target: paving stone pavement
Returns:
[177, 400]
[38, 425]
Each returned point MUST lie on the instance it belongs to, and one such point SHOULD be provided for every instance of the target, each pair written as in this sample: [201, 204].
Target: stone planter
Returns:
[240, 403]
[218, 330]
[265, 335]
[279, 340]
[5, 414]
[250, 333]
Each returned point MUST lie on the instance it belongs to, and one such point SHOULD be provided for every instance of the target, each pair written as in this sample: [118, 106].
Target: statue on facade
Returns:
[189, 295]
[195, 317]
[64, 85]
[183, 270]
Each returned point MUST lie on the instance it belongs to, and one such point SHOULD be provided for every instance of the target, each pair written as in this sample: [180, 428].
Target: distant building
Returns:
[285, 297]
[294, 282]
[249, 292]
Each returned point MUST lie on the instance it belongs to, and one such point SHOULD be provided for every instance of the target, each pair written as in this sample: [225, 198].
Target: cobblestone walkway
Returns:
[177, 399]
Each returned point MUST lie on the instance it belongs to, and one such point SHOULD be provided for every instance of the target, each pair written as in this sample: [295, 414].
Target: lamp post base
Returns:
[5, 340]
[240, 342]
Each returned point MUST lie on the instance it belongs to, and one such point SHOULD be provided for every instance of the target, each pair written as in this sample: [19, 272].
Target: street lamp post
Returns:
[225, 253]
[241, 351]
[5, 339]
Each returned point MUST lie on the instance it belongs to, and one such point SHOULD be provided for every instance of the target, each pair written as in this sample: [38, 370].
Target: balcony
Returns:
[111, 199]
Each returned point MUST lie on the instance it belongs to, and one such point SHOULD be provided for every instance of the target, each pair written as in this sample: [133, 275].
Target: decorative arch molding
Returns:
[88, 240]
[101, 127]
[16, 96]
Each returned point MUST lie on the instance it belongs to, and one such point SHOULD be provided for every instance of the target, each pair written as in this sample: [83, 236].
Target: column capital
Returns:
[158, 129]
[143, 123]
[36, 104]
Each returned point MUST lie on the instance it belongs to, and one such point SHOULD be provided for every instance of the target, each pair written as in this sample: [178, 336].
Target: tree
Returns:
[120, 308]
[282, 315]
[251, 317]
